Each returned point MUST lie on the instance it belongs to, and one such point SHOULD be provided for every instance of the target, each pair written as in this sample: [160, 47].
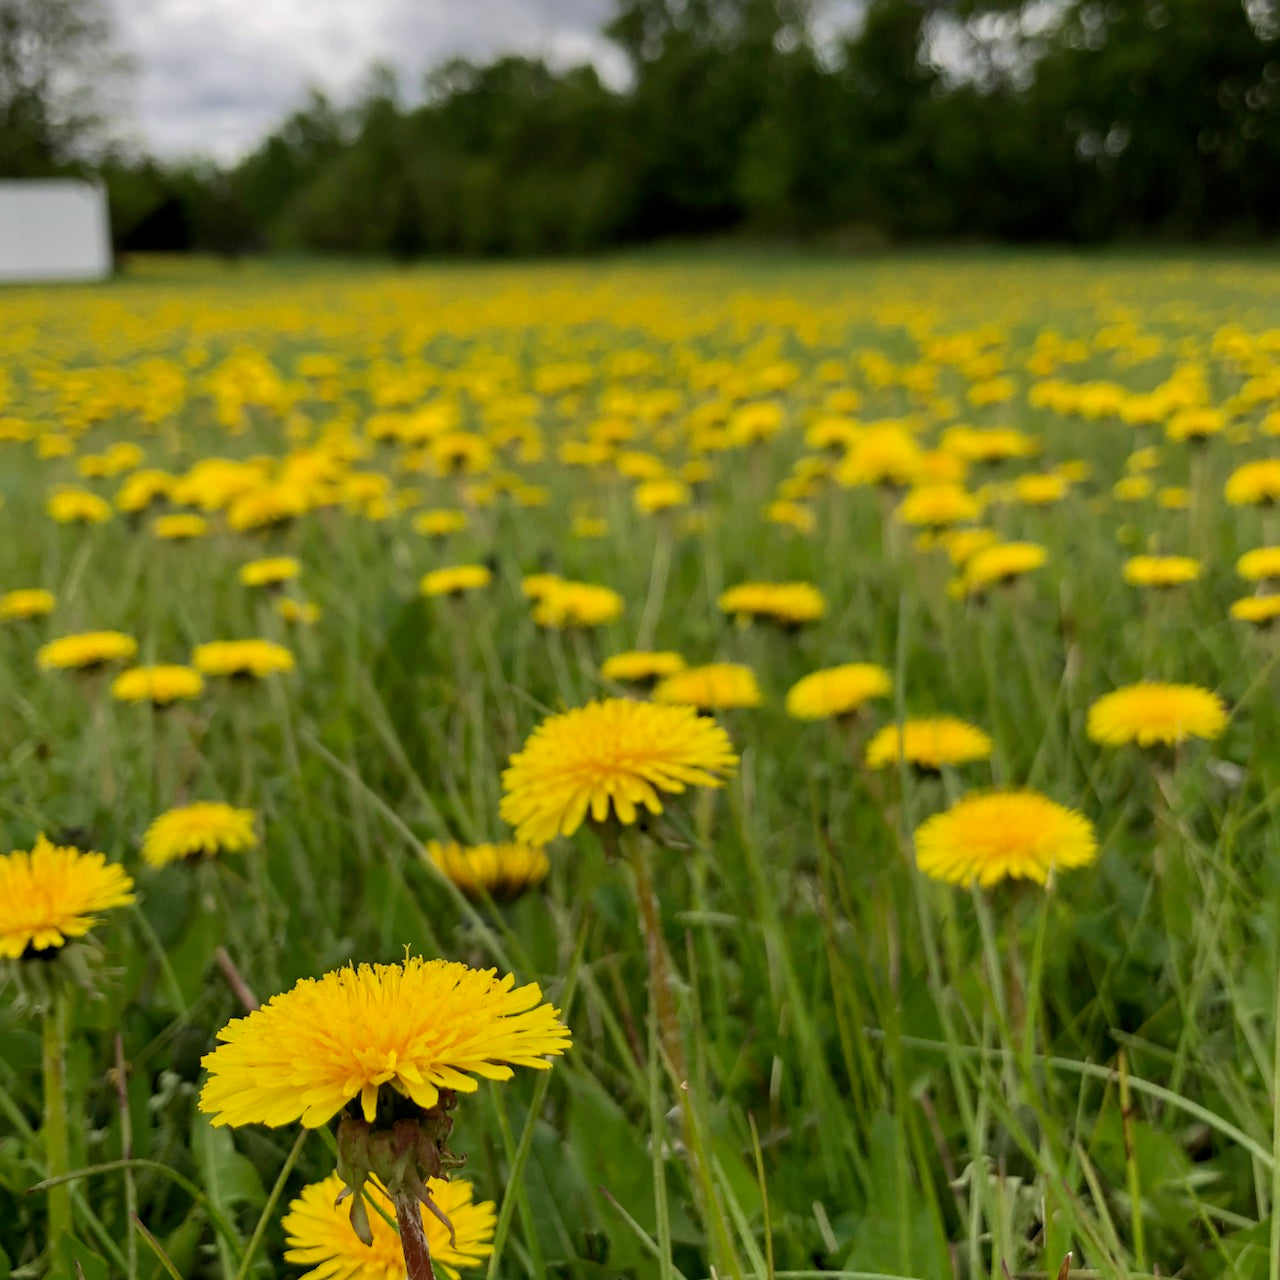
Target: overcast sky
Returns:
[212, 76]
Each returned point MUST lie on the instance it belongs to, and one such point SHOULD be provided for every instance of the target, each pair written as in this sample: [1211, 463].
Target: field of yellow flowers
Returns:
[681, 769]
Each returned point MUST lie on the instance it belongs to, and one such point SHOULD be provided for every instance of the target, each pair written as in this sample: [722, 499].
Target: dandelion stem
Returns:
[55, 1119]
[413, 1239]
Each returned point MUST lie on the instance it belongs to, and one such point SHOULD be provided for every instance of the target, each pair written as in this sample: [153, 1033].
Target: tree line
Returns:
[1063, 120]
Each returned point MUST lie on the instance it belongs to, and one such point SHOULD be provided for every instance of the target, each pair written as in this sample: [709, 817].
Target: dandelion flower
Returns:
[1254, 484]
[789, 603]
[928, 743]
[1259, 610]
[1161, 571]
[637, 666]
[417, 1028]
[269, 572]
[503, 871]
[304, 612]
[26, 602]
[661, 495]
[198, 830]
[718, 686]
[319, 1233]
[1000, 563]
[1153, 714]
[837, 691]
[257, 658]
[78, 506]
[996, 835]
[456, 580]
[440, 522]
[86, 650]
[577, 604]
[935, 506]
[1262, 564]
[610, 756]
[54, 893]
[157, 685]
[179, 527]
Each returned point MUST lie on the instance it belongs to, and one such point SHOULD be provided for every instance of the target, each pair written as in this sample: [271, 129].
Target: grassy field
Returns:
[886, 1074]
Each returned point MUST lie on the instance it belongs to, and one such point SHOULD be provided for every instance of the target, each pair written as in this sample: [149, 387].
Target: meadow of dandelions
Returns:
[720, 769]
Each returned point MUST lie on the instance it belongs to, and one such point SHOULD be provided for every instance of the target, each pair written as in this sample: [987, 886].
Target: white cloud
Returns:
[212, 76]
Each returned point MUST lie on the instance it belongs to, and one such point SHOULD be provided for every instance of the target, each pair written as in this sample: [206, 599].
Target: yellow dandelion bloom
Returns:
[837, 691]
[177, 528]
[1040, 490]
[320, 1236]
[440, 522]
[143, 488]
[417, 1028]
[718, 686]
[304, 612]
[1161, 571]
[789, 603]
[198, 830]
[1195, 424]
[1254, 484]
[1259, 610]
[257, 658]
[577, 604]
[26, 602]
[1132, 488]
[1153, 714]
[456, 580]
[54, 893]
[1262, 564]
[78, 506]
[1174, 497]
[610, 756]
[1000, 563]
[997, 835]
[85, 650]
[640, 665]
[158, 685]
[503, 871]
[961, 544]
[661, 495]
[791, 514]
[928, 743]
[935, 506]
[589, 527]
[269, 572]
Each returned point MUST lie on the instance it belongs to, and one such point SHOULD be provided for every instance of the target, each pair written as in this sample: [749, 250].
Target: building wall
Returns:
[53, 229]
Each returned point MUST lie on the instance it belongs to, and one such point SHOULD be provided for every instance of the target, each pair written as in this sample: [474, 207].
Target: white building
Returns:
[53, 229]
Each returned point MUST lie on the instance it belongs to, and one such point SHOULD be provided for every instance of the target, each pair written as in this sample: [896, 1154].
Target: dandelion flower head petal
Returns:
[1262, 564]
[198, 830]
[718, 686]
[637, 665]
[1153, 714]
[55, 893]
[996, 835]
[611, 756]
[837, 691]
[26, 602]
[258, 658]
[158, 685]
[85, 650]
[1161, 571]
[928, 743]
[320, 1235]
[416, 1027]
[502, 871]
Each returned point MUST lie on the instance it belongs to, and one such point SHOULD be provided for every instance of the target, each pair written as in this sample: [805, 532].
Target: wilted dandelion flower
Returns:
[1154, 714]
[26, 602]
[159, 685]
[78, 506]
[456, 580]
[503, 871]
[413, 1028]
[54, 893]
[1161, 571]
[85, 650]
[637, 666]
[269, 572]
[199, 830]
[177, 528]
[1254, 484]
[928, 743]
[1259, 610]
[319, 1233]
[717, 686]
[997, 835]
[613, 756]
[257, 658]
[837, 691]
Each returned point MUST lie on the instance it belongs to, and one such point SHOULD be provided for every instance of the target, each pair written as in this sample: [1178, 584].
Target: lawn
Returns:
[805, 1040]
